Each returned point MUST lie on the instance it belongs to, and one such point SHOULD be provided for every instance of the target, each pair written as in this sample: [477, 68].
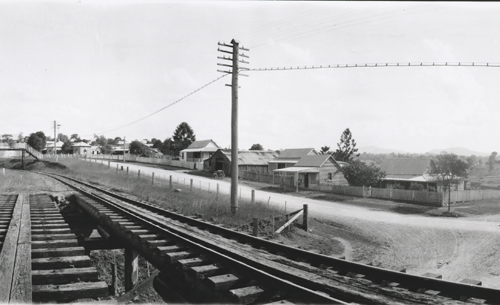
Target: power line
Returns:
[169, 105]
[375, 65]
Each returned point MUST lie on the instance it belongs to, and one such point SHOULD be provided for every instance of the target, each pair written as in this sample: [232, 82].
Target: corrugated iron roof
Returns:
[405, 167]
[252, 157]
[312, 161]
[200, 144]
[296, 153]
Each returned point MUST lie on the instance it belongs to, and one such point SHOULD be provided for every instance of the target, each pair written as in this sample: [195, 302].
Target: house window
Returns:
[330, 176]
[182, 156]
[197, 155]
[281, 165]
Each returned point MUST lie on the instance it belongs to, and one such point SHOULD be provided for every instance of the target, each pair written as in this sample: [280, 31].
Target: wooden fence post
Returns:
[153, 178]
[255, 227]
[114, 278]
[217, 197]
[191, 185]
[253, 197]
[305, 220]
[127, 170]
[131, 268]
[109, 164]
[117, 168]
[138, 174]
[170, 181]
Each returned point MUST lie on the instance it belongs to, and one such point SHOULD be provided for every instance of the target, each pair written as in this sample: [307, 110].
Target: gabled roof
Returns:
[315, 161]
[80, 144]
[201, 144]
[252, 157]
[296, 153]
[404, 168]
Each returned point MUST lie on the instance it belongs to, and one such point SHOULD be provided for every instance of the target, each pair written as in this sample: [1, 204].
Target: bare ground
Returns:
[448, 246]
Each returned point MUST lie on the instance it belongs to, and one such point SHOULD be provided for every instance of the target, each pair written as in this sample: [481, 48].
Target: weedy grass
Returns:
[179, 198]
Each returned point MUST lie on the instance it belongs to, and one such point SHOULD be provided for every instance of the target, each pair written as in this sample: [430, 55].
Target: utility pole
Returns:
[235, 65]
[55, 138]
[124, 141]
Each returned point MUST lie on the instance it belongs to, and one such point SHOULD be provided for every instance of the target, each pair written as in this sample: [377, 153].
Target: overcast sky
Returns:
[95, 66]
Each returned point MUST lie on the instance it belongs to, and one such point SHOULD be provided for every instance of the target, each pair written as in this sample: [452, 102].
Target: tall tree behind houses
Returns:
[346, 148]
[183, 137]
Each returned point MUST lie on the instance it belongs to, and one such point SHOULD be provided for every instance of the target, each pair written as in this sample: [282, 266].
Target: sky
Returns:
[96, 67]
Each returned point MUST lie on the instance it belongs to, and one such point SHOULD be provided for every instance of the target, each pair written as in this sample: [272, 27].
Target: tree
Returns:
[325, 150]
[20, 137]
[63, 138]
[183, 137]
[138, 148]
[256, 147]
[37, 140]
[6, 138]
[166, 147]
[103, 144]
[67, 147]
[358, 173]
[157, 144]
[491, 161]
[75, 137]
[448, 168]
[346, 150]
[471, 161]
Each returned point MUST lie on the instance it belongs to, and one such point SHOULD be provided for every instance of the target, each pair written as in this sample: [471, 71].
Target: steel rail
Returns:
[376, 274]
[291, 284]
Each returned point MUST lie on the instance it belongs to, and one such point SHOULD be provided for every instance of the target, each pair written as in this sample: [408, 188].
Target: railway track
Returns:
[255, 270]
[7, 203]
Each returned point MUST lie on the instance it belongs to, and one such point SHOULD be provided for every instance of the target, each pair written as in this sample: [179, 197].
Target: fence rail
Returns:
[162, 161]
[266, 177]
[471, 195]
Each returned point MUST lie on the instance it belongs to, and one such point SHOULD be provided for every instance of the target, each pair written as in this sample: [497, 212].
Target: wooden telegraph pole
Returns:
[235, 66]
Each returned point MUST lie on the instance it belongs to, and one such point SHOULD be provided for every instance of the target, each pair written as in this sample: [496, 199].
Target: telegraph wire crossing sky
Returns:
[127, 68]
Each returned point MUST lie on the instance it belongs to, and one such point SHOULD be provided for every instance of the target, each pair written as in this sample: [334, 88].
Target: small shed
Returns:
[248, 160]
[405, 171]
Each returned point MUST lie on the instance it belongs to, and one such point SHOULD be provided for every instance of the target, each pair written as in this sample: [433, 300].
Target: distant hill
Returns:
[459, 151]
[379, 150]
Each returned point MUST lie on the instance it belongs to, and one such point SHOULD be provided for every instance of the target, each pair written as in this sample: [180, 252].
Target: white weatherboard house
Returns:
[199, 151]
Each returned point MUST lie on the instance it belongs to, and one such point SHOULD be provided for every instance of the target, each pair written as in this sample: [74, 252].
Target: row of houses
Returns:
[305, 164]
[308, 168]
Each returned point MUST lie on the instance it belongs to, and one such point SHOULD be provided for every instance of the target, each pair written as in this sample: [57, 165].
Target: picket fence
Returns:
[471, 195]
[266, 177]
[162, 161]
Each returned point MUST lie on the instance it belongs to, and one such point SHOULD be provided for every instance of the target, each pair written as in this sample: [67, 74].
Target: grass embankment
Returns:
[188, 202]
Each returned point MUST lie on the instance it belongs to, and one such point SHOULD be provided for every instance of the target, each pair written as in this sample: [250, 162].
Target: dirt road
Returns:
[457, 248]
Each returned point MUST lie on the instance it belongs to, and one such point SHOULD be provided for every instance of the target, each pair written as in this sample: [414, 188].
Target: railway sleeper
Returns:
[69, 292]
[65, 275]
[246, 295]
[185, 264]
[57, 252]
[41, 237]
[63, 243]
[204, 271]
[46, 263]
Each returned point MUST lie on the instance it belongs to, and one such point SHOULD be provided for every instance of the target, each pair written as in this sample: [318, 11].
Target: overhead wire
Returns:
[380, 65]
[169, 105]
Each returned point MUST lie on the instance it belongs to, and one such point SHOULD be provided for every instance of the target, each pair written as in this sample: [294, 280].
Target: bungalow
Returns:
[407, 171]
[289, 157]
[248, 160]
[81, 148]
[49, 147]
[313, 170]
[199, 151]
